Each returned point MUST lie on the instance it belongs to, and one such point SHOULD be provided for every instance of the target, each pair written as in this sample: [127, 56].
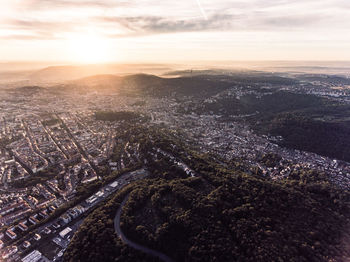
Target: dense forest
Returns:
[306, 122]
[327, 138]
[199, 85]
[241, 77]
[116, 116]
[51, 122]
[268, 103]
[222, 214]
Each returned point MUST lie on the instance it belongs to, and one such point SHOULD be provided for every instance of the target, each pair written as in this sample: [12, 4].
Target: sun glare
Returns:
[89, 49]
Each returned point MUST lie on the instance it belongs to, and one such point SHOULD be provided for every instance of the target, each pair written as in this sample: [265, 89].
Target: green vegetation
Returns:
[237, 218]
[38, 178]
[222, 215]
[331, 79]
[327, 138]
[151, 85]
[51, 122]
[270, 159]
[241, 77]
[116, 116]
[140, 103]
[96, 240]
[197, 84]
[306, 122]
[266, 105]
[29, 89]
[4, 141]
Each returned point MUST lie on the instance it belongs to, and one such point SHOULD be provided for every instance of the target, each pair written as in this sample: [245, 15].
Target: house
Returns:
[43, 214]
[37, 237]
[33, 220]
[33, 200]
[46, 202]
[9, 252]
[9, 208]
[73, 213]
[91, 200]
[66, 218]
[114, 184]
[32, 257]
[47, 230]
[22, 226]
[99, 194]
[80, 209]
[56, 225]
[65, 231]
[11, 234]
[26, 244]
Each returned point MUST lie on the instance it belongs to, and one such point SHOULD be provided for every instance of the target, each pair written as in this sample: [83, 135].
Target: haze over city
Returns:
[197, 130]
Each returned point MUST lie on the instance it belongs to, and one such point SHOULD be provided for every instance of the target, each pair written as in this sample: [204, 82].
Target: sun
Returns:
[89, 49]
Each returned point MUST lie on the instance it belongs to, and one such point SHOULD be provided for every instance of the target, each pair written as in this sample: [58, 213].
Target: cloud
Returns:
[115, 18]
[272, 22]
[44, 4]
[158, 24]
[144, 25]
[33, 29]
[27, 37]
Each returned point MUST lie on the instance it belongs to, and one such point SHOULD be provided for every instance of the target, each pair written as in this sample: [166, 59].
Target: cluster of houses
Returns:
[72, 214]
[15, 210]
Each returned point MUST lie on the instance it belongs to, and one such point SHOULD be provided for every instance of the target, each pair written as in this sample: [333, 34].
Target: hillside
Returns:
[235, 76]
[61, 73]
[198, 85]
[220, 214]
[29, 89]
[144, 84]
[304, 132]
[319, 124]
[306, 122]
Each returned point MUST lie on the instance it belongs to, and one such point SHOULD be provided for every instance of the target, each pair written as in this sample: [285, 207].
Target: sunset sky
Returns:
[168, 31]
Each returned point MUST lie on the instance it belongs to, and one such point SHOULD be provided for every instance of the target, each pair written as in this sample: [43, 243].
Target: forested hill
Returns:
[201, 86]
[221, 214]
[306, 122]
[142, 84]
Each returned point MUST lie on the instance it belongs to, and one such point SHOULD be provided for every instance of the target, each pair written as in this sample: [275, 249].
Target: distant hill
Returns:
[62, 73]
[73, 72]
[237, 76]
[179, 86]
[106, 82]
[109, 78]
[29, 89]
[144, 84]
[331, 79]
[200, 85]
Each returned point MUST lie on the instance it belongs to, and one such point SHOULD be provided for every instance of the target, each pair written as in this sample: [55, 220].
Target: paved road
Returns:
[133, 244]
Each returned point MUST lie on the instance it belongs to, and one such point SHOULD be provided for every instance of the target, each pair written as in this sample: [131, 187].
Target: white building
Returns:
[32, 257]
[65, 231]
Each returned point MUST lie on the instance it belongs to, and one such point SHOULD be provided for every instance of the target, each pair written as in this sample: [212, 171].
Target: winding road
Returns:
[132, 244]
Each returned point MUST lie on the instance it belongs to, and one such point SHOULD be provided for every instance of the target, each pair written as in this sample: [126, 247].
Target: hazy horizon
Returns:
[22, 65]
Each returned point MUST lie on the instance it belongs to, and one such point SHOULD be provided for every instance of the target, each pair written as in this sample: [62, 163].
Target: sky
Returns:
[93, 31]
